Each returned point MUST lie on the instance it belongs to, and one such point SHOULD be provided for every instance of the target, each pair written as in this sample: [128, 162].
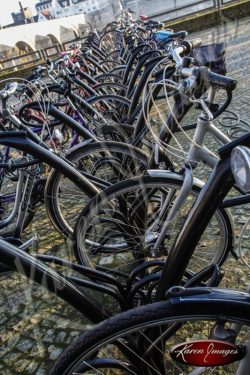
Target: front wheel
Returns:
[119, 228]
[139, 341]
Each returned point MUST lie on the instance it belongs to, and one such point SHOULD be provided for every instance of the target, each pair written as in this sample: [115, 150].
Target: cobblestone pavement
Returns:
[35, 325]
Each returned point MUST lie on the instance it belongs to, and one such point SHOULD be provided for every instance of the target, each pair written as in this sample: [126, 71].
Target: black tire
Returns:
[56, 181]
[139, 341]
[117, 228]
[113, 107]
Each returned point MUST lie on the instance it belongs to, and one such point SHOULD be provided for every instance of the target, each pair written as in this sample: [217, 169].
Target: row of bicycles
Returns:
[115, 137]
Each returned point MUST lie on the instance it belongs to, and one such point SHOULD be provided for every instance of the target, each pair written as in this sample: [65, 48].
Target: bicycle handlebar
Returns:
[204, 75]
[185, 48]
[217, 80]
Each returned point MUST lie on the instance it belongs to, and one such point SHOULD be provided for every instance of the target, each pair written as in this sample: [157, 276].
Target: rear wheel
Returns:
[103, 163]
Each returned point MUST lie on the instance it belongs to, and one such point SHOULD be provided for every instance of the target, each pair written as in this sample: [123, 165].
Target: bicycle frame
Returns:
[211, 197]
[196, 154]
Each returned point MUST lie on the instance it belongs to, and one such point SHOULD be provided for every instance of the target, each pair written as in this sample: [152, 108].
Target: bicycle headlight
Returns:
[240, 165]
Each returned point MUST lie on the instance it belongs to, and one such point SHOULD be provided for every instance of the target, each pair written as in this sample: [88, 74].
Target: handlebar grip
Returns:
[188, 45]
[222, 82]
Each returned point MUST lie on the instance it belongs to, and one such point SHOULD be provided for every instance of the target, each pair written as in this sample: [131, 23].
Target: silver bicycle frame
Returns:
[197, 153]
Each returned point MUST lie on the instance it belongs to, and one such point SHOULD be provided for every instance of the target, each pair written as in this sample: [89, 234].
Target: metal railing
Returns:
[31, 59]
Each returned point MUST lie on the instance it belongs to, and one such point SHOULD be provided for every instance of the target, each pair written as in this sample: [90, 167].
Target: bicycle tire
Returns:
[126, 339]
[55, 179]
[110, 106]
[115, 132]
[123, 239]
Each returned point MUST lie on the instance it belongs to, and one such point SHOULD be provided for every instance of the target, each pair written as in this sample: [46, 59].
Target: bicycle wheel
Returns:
[104, 163]
[119, 228]
[111, 107]
[139, 341]
[111, 40]
[115, 132]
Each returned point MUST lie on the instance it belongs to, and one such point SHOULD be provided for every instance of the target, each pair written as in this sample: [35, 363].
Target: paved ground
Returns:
[34, 325]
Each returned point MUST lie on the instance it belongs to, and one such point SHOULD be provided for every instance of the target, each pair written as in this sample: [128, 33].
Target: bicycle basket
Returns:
[212, 56]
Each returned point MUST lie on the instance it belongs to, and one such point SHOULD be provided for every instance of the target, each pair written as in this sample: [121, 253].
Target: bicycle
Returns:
[147, 213]
[99, 161]
[140, 340]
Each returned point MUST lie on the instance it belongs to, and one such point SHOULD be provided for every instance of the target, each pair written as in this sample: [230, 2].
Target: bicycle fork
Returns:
[178, 202]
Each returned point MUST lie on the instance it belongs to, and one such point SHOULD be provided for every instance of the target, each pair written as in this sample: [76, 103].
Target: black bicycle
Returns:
[140, 341]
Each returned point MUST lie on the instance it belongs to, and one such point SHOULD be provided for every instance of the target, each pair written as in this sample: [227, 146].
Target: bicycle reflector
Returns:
[240, 165]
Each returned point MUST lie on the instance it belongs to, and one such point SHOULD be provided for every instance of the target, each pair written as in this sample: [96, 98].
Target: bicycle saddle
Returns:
[166, 35]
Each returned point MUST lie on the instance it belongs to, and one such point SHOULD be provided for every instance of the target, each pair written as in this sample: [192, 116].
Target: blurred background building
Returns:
[54, 9]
